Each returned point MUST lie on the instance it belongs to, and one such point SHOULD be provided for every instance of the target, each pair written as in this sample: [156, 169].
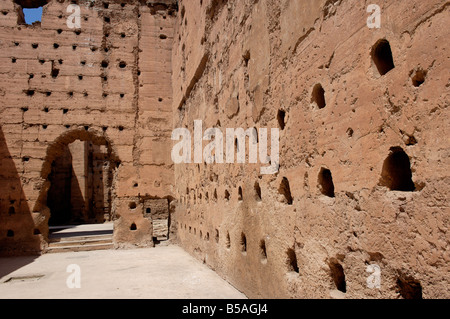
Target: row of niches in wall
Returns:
[72, 94]
[35, 45]
[132, 205]
[396, 175]
[382, 58]
[406, 286]
[381, 55]
[11, 233]
[104, 64]
[114, 5]
[242, 244]
[87, 128]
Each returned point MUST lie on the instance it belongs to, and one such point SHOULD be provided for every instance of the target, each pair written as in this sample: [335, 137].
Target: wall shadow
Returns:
[18, 232]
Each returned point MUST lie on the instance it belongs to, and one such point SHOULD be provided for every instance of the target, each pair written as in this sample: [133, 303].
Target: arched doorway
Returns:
[79, 176]
[81, 181]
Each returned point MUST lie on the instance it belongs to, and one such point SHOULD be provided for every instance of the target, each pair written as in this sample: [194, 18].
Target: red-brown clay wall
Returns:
[108, 83]
[334, 208]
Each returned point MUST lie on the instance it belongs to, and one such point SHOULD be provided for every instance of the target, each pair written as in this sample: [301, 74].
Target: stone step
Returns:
[79, 248]
[88, 240]
[80, 238]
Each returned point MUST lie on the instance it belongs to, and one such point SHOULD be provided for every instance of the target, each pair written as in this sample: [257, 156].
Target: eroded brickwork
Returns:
[363, 174]
[362, 114]
[107, 84]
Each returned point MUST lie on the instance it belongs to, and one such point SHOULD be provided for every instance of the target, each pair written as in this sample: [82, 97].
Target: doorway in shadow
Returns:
[81, 179]
[77, 184]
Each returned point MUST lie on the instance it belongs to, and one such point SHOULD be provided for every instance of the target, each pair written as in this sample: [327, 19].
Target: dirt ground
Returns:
[166, 272]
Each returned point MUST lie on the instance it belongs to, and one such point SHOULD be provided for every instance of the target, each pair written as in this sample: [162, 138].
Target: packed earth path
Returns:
[164, 272]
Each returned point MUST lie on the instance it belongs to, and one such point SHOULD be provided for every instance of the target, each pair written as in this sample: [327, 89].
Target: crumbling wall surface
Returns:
[61, 82]
[359, 207]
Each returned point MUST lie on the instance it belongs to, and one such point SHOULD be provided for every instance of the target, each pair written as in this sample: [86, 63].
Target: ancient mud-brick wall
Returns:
[363, 116]
[107, 82]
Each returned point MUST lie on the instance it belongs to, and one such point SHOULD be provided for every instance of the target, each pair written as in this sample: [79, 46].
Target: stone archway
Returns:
[62, 184]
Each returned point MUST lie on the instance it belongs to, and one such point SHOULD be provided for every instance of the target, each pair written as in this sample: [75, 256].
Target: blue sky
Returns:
[32, 15]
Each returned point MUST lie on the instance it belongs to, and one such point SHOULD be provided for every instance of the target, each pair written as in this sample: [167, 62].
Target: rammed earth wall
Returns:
[362, 114]
[106, 83]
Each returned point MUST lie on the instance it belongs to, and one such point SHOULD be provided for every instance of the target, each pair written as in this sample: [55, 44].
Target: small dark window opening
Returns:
[318, 96]
[292, 260]
[263, 249]
[217, 236]
[396, 173]
[409, 288]
[382, 56]
[10, 233]
[243, 243]
[228, 242]
[281, 116]
[285, 190]
[240, 194]
[419, 77]
[257, 192]
[55, 73]
[325, 182]
[133, 227]
[337, 274]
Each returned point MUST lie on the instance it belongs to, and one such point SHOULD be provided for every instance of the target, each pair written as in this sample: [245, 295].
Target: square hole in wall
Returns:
[30, 11]
[32, 15]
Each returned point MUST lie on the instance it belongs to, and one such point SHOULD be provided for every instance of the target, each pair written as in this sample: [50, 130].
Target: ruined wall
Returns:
[363, 174]
[107, 82]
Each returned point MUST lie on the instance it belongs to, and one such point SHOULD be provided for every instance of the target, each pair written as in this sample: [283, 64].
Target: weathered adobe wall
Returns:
[256, 64]
[108, 83]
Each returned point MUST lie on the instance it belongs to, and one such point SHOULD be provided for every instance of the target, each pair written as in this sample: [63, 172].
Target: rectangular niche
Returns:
[158, 211]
